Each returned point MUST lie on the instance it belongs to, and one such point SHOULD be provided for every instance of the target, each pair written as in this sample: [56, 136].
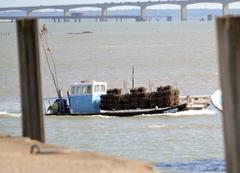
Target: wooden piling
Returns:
[228, 30]
[30, 79]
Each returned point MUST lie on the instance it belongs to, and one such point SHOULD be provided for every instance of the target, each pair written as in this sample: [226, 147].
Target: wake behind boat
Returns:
[93, 98]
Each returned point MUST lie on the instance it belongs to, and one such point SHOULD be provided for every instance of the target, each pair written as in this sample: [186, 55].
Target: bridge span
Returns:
[119, 18]
[142, 5]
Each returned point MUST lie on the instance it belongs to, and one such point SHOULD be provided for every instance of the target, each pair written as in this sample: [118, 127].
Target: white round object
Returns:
[217, 99]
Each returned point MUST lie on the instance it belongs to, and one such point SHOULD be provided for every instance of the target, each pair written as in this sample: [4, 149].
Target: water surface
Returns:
[181, 54]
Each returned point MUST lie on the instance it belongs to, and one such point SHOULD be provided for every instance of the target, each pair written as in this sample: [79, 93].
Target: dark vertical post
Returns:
[30, 77]
[132, 76]
[229, 57]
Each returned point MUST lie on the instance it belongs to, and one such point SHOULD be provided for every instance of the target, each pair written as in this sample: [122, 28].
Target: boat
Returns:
[198, 102]
[93, 98]
[217, 100]
[86, 98]
[83, 32]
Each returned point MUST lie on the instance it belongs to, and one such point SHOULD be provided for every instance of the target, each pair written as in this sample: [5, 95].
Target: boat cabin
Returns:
[85, 96]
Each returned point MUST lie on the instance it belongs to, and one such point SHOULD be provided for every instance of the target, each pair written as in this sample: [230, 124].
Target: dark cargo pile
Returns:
[164, 97]
[139, 98]
[112, 100]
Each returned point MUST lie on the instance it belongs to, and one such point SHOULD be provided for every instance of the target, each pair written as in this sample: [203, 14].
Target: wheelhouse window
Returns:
[73, 90]
[102, 88]
[80, 90]
[99, 88]
[96, 88]
[86, 89]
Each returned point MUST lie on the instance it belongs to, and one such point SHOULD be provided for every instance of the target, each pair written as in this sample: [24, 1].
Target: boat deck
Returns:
[197, 102]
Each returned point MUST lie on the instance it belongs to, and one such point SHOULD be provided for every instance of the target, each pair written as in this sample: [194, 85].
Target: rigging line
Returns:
[49, 67]
[51, 55]
[48, 63]
[53, 61]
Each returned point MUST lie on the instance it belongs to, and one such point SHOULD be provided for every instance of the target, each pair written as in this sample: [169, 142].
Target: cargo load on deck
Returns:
[139, 98]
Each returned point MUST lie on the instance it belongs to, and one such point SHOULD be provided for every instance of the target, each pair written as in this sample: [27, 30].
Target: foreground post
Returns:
[229, 57]
[30, 79]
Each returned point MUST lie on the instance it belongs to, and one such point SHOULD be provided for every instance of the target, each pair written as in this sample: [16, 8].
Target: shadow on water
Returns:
[206, 165]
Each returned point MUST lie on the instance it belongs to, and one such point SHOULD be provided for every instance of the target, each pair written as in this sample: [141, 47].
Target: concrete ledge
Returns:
[16, 157]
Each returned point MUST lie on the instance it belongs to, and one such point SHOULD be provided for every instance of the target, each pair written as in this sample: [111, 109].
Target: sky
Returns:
[18, 3]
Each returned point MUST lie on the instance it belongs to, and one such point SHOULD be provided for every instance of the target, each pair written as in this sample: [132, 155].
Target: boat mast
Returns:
[49, 58]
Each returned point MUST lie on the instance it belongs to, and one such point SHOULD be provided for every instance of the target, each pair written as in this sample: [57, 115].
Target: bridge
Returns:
[142, 5]
[79, 18]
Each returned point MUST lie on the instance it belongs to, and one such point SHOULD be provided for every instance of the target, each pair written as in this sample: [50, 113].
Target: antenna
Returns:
[150, 85]
[132, 76]
[125, 86]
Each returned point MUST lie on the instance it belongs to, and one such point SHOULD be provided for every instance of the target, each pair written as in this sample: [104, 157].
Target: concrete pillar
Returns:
[183, 12]
[66, 13]
[169, 18]
[29, 12]
[143, 13]
[104, 13]
[225, 9]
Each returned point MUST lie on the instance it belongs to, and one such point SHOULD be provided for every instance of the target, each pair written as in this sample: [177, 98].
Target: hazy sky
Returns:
[14, 3]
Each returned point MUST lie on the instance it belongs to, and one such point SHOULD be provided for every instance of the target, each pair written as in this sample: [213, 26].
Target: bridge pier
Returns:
[225, 9]
[143, 13]
[103, 14]
[66, 13]
[29, 12]
[183, 12]
[169, 18]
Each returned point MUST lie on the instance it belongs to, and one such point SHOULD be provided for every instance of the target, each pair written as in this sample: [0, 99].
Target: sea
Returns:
[181, 54]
